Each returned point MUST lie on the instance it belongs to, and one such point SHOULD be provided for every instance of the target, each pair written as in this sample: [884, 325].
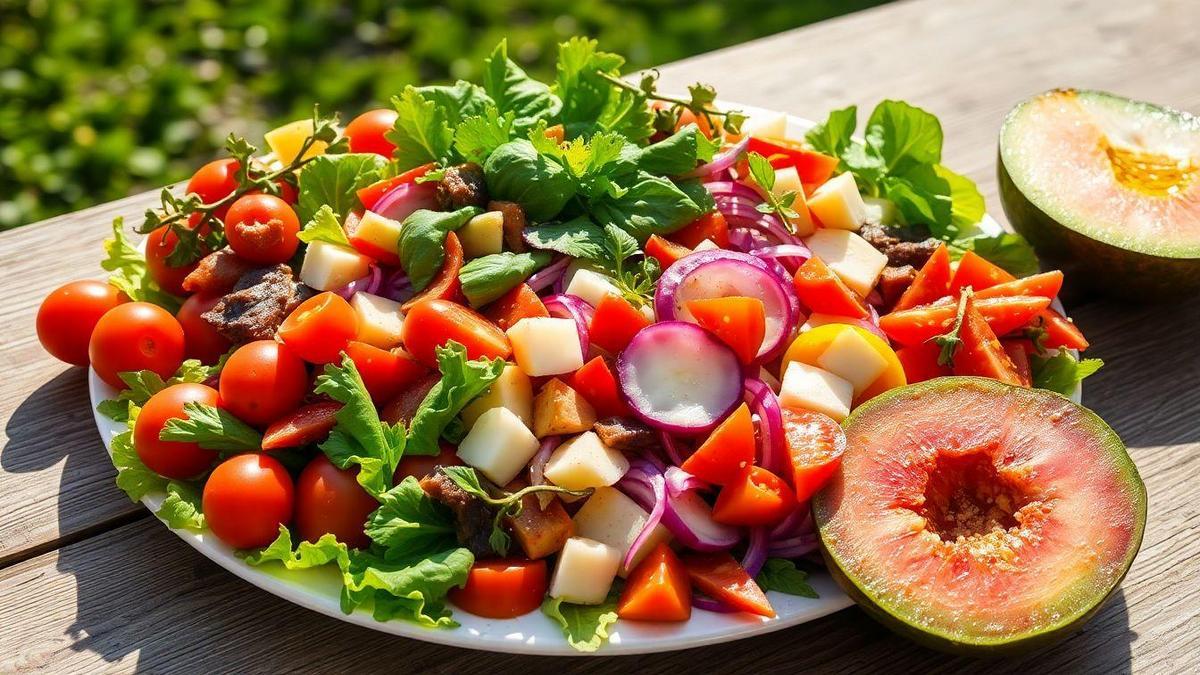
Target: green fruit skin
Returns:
[1109, 269]
[940, 642]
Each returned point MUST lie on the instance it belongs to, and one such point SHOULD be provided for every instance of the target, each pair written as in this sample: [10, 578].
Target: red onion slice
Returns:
[659, 490]
[671, 446]
[396, 286]
[400, 202]
[733, 188]
[367, 284]
[537, 466]
[756, 551]
[547, 276]
[689, 518]
[722, 161]
[773, 453]
[791, 256]
[565, 306]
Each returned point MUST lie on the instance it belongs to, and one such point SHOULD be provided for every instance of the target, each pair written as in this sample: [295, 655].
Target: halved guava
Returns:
[979, 517]
[1106, 187]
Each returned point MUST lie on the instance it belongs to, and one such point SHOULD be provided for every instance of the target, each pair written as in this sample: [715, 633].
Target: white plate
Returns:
[533, 633]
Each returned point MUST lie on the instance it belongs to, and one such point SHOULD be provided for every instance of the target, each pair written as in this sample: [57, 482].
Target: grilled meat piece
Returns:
[260, 301]
[217, 273]
[472, 518]
[401, 409]
[894, 281]
[514, 224]
[626, 434]
[902, 245]
[462, 185]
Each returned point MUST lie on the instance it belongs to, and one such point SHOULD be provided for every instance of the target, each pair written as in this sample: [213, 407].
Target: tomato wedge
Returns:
[739, 322]
[913, 326]
[519, 303]
[932, 282]
[1060, 331]
[370, 195]
[1020, 358]
[815, 444]
[615, 323]
[665, 251]
[431, 323]
[596, 383]
[920, 362]
[1046, 285]
[710, 226]
[813, 167]
[445, 285]
[307, 424]
[728, 450]
[384, 373]
[981, 353]
[822, 291]
[502, 589]
[720, 577]
[657, 589]
[978, 273]
[755, 497]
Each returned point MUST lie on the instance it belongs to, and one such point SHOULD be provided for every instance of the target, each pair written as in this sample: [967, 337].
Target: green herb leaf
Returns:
[578, 238]
[359, 436]
[457, 101]
[408, 522]
[211, 428]
[411, 588]
[422, 132]
[515, 92]
[833, 136]
[487, 278]
[129, 273]
[462, 381]
[904, 136]
[325, 227]
[1008, 250]
[132, 475]
[966, 203]
[781, 575]
[654, 205]
[518, 172]
[585, 626]
[678, 153]
[423, 242]
[1061, 372]
[479, 135]
[140, 385]
[333, 181]
[921, 196]
[950, 340]
[181, 510]
[306, 555]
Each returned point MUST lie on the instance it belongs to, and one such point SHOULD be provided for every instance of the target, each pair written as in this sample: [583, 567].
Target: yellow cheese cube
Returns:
[380, 321]
[546, 346]
[609, 517]
[499, 445]
[482, 235]
[589, 286]
[287, 140]
[328, 266]
[851, 257]
[585, 571]
[852, 358]
[379, 231]
[837, 203]
[585, 462]
[511, 390]
[816, 389]
[787, 179]
[766, 124]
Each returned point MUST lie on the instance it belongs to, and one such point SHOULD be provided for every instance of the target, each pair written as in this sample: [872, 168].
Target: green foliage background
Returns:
[102, 98]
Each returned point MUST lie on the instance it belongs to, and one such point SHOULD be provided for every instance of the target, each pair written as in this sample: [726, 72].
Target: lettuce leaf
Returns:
[529, 100]
[359, 437]
[334, 181]
[181, 510]
[1061, 372]
[423, 242]
[212, 429]
[129, 273]
[307, 554]
[324, 226]
[462, 381]
[782, 575]
[422, 133]
[411, 588]
[585, 626]
[140, 385]
[408, 522]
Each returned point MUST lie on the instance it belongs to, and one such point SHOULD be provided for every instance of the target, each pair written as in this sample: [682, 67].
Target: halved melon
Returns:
[1106, 187]
[980, 517]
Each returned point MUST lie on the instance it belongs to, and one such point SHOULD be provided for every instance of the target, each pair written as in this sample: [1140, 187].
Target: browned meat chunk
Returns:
[401, 409]
[462, 185]
[217, 273]
[514, 224]
[894, 281]
[261, 236]
[472, 518]
[626, 434]
[258, 303]
[902, 246]
[540, 531]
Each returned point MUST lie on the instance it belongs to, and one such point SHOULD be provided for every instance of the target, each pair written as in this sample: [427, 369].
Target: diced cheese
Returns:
[813, 388]
[787, 179]
[590, 286]
[482, 235]
[499, 445]
[286, 141]
[880, 211]
[706, 245]
[838, 205]
[585, 571]
[852, 358]
[380, 321]
[328, 266]
[382, 232]
[511, 390]
[585, 462]
[546, 346]
[766, 125]
[850, 257]
[609, 517]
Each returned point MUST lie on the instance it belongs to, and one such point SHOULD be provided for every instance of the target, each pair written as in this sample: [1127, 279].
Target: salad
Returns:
[580, 346]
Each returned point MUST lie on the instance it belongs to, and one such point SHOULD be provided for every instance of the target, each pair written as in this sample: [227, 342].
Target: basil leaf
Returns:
[457, 101]
[422, 132]
[578, 238]
[324, 226]
[515, 92]
[462, 381]
[904, 136]
[678, 153]
[334, 180]
[832, 136]
[1061, 372]
[423, 242]
[654, 205]
[922, 197]
[966, 202]
[517, 172]
[486, 279]
[782, 575]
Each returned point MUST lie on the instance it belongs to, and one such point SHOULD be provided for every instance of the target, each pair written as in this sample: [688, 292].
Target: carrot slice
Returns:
[740, 322]
[658, 589]
[822, 291]
[728, 450]
[932, 282]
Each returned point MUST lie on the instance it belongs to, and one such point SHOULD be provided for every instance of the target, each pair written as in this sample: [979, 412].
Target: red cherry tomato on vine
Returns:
[160, 244]
[262, 381]
[319, 329]
[502, 589]
[201, 340]
[367, 132]
[329, 500]
[246, 499]
[213, 182]
[136, 336]
[69, 314]
[262, 228]
[174, 459]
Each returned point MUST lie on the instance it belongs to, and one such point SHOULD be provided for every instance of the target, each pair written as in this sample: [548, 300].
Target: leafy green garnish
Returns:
[610, 249]
[423, 242]
[140, 385]
[333, 181]
[325, 227]
[678, 153]
[211, 428]
[590, 102]
[181, 510]
[462, 380]
[408, 522]
[764, 175]
[491, 276]
[654, 205]
[132, 475]
[307, 554]
[518, 172]
[515, 92]
[422, 132]
[585, 626]
[578, 238]
[782, 575]
[1061, 372]
[129, 273]
[479, 135]
[412, 588]
[951, 340]
[359, 437]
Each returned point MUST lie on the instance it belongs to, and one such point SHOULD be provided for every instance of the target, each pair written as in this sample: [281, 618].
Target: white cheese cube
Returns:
[852, 358]
[585, 462]
[706, 245]
[585, 571]
[511, 390]
[498, 445]
[328, 266]
[879, 210]
[589, 286]
[546, 346]
[482, 235]
[812, 388]
[609, 517]
[855, 261]
[766, 125]
[379, 231]
[286, 141]
[787, 179]
[380, 321]
[837, 203]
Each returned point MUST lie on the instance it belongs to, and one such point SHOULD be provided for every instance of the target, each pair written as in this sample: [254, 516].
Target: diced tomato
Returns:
[978, 273]
[728, 450]
[822, 291]
[710, 226]
[1046, 285]
[813, 167]
[445, 284]
[658, 589]
[1060, 331]
[371, 194]
[307, 424]
[920, 362]
[755, 497]
[665, 250]
[519, 303]
[815, 444]
[502, 589]
[615, 323]
[1020, 358]
[1004, 315]
[980, 352]
[384, 373]
[596, 383]
[432, 323]
[740, 322]
[932, 282]
[720, 577]
[556, 133]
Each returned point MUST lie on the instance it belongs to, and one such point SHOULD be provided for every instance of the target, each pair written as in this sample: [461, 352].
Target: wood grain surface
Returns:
[88, 581]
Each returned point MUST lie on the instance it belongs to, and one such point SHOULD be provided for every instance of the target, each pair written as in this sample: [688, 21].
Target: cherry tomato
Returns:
[246, 499]
[385, 373]
[329, 500]
[319, 329]
[502, 589]
[431, 323]
[214, 181]
[173, 459]
[367, 132]
[263, 381]
[135, 336]
[262, 228]
[159, 245]
[68, 316]
[201, 340]
[420, 466]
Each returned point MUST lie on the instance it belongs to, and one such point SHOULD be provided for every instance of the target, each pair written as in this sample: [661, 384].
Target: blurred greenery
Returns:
[103, 98]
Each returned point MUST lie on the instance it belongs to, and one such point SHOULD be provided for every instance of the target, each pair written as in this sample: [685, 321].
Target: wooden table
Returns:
[89, 581]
